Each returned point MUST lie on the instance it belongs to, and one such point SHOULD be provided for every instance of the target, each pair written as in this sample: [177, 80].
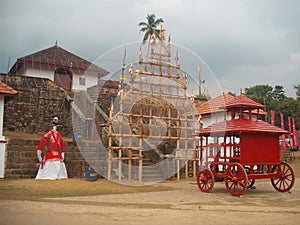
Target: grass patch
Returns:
[28, 189]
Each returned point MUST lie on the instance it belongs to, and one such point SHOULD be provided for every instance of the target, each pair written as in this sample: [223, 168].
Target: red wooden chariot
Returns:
[241, 150]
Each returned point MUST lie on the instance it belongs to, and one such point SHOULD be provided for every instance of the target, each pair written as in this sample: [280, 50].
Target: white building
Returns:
[5, 90]
[67, 70]
[213, 111]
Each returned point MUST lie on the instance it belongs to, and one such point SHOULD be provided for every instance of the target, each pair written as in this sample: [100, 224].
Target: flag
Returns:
[140, 55]
[176, 59]
[295, 133]
[120, 88]
[199, 69]
[169, 39]
[289, 124]
[283, 135]
[290, 135]
[200, 122]
[124, 57]
[185, 77]
[162, 32]
[193, 96]
[122, 77]
[130, 71]
[153, 38]
[273, 117]
[169, 45]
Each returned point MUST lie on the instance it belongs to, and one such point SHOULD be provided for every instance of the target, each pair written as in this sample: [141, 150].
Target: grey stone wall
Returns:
[21, 159]
[33, 109]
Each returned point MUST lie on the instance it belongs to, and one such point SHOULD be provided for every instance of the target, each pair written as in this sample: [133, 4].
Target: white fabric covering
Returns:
[52, 170]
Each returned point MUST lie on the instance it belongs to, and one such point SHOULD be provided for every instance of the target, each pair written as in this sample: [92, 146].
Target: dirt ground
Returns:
[183, 204]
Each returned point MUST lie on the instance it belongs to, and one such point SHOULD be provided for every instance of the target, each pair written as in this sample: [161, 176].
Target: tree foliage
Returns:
[297, 88]
[150, 26]
[275, 99]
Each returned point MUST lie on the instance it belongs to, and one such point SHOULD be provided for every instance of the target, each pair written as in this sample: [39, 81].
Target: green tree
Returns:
[278, 93]
[260, 93]
[231, 93]
[150, 27]
[297, 88]
[275, 99]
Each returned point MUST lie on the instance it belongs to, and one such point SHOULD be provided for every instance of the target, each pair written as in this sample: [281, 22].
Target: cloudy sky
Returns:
[244, 42]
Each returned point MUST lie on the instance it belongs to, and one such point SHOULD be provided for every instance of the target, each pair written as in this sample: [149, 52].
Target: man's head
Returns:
[55, 121]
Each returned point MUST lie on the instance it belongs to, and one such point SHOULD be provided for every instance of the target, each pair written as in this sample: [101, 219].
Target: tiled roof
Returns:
[239, 126]
[214, 105]
[242, 101]
[7, 90]
[60, 58]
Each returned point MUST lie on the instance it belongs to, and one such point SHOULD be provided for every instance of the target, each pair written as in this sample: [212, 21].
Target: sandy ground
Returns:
[185, 205]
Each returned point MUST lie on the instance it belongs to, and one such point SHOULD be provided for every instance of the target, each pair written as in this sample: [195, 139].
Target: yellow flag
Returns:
[122, 77]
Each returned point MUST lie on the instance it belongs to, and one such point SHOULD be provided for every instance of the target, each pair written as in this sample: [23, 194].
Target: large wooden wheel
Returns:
[286, 178]
[235, 178]
[205, 180]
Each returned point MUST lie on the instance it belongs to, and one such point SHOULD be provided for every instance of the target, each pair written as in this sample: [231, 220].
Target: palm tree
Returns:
[150, 27]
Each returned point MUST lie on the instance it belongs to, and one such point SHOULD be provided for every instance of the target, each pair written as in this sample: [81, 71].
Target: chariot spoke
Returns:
[278, 180]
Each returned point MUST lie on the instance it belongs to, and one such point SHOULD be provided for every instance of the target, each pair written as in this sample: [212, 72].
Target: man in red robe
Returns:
[52, 166]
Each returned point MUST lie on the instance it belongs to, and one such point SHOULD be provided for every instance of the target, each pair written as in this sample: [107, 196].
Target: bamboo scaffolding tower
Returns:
[150, 114]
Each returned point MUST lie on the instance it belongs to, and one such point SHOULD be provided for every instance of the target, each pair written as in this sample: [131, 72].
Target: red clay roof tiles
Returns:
[214, 105]
[7, 90]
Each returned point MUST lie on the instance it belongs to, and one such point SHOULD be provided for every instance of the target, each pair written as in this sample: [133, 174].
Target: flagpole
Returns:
[295, 133]
[200, 81]
[273, 117]
[283, 135]
[290, 135]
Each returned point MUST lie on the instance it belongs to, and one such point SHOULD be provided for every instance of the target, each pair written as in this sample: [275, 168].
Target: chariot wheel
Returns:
[205, 180]
[286, 178]
[236, 180]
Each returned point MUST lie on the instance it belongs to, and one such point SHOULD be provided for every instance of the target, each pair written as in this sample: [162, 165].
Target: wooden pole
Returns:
[178, 169]
[110, 151]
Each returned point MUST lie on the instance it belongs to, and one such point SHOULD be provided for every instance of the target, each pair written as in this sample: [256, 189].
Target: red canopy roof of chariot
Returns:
[237, 126]
[241, 125]
[242, 101]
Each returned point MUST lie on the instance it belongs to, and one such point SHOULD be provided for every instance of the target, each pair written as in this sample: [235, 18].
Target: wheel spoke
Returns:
[278, 180]
[281, 185]
[230, 174]
[232, 184]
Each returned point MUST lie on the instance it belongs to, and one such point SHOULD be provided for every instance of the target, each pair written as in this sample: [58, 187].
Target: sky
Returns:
[244, 42]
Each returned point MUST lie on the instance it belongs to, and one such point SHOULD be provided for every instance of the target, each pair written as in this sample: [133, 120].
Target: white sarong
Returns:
[52, 170]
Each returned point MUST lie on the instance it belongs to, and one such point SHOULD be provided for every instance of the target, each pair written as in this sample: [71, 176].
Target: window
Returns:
[82, 81]
[63, 78]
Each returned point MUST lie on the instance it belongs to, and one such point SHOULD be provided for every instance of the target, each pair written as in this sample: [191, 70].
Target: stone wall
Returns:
[31, 112]
[21, 159]
[33, 109]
